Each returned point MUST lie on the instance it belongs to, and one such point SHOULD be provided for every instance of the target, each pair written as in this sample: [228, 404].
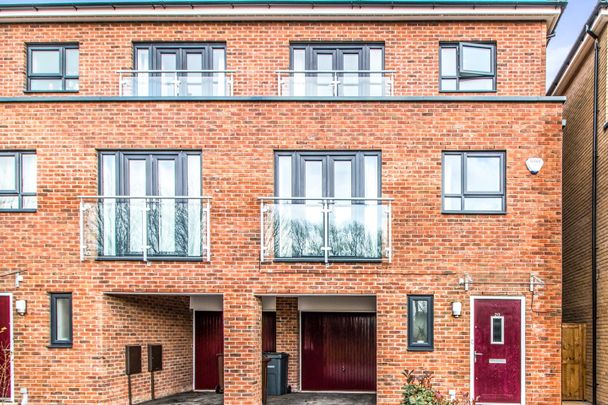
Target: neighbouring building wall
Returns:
[578, 148]
[143, 320]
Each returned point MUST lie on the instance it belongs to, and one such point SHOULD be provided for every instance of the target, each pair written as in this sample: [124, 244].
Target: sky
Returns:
[568, 29]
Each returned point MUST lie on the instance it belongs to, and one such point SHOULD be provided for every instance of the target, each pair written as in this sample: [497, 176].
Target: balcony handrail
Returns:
[175, 71]
[142, 197]
[325, 199]
[334, 71]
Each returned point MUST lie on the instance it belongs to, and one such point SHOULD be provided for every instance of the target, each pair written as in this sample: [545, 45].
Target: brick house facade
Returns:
[119, 301]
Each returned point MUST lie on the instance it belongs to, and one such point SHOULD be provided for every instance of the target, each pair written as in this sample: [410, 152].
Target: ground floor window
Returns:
[420, 322]
[61, 319]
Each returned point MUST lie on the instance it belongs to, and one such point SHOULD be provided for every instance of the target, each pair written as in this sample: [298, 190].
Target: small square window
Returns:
[61, 320]
[467, 67]
[18, 181]
[420, 323]
[474, 182]
[53, 68]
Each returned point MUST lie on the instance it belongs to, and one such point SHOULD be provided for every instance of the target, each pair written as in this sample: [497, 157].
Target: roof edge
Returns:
[578, 44]
[406, 99]
[92, 3]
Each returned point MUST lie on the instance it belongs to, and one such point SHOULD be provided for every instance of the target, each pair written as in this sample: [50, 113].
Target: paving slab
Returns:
[308, 398]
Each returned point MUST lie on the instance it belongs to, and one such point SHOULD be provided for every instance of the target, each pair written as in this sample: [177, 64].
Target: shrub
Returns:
[418, 390]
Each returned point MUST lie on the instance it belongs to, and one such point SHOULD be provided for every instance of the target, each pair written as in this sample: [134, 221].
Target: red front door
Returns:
[208, 343]
[5, 346]
[497, 351]
[338, 351]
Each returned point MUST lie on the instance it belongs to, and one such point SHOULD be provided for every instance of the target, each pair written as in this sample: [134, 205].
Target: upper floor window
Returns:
[152, 205]
[168, 69]
[336, 70]
[467, 67]
[52, 68]
[474, 182]
[327, 208]
[18, 181]
[328, 174]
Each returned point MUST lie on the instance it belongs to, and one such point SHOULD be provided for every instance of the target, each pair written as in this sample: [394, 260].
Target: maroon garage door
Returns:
[208, 342]
[338, 351]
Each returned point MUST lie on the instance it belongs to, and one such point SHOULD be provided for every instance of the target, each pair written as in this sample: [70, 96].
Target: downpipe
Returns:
[595, 38]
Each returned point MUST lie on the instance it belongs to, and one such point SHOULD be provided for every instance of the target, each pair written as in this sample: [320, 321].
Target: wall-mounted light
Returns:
[21, 307]
[534, 164]
[456, 309]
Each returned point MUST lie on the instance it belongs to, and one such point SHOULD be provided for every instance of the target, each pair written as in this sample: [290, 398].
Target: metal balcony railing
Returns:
[325, 229]
[145, 228]
[336, 83]
[175, 83]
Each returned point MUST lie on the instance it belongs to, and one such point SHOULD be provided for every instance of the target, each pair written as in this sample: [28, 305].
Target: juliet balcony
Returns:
[325, 229]
[145, 228]
[282, 83]
[336, 83]
[175, 83]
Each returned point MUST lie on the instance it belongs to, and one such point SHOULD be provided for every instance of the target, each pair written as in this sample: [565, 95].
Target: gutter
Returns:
[163, 3]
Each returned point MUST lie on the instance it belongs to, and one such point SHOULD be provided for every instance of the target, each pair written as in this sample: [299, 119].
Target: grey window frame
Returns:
[53, 314]
[181, 49]
[337, 47]
[18, 192]
[463, 190]
[462, 74]
[328, 157]
[121, 162]
[415, 346]
[154, 48]
[63, 76]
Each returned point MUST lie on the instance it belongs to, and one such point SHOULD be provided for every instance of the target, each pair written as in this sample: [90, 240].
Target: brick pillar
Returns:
[391, 347]
[288, 327]
[242, 349]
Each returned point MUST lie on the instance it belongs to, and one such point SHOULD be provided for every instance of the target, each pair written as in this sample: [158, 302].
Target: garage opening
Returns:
[338, 351]
[330, 340]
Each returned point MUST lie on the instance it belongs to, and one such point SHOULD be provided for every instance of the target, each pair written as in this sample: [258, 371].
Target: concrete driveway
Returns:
[208, 398]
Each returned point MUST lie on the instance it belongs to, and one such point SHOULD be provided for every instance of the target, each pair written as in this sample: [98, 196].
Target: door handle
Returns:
[475, 353]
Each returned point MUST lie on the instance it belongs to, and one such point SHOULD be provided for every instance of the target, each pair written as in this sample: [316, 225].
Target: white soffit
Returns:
[261, 12]
[333, 303]
[206, 303]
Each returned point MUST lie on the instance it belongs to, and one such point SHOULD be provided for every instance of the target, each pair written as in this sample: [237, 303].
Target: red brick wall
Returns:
[431, 250]
[288, 336]
[257, 50]
[142, 321]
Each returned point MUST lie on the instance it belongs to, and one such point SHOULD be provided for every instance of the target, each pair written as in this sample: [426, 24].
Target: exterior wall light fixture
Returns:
[456, 309]
[21, 307]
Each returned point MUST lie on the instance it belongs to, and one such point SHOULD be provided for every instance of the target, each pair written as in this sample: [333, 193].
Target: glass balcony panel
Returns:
[301, 229]
[149, 227]
[179, 83]
[355, 230]
[336, 83]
